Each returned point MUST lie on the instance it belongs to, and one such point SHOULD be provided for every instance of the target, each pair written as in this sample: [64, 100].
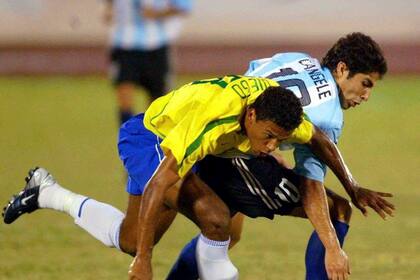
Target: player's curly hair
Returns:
[280, 106]
[360, 53]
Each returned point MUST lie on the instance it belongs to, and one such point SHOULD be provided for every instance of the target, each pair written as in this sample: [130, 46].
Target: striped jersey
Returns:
[318, 93]
[203, 118]
[130, 31]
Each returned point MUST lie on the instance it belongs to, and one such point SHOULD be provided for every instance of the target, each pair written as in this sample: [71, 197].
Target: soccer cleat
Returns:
[27, 200]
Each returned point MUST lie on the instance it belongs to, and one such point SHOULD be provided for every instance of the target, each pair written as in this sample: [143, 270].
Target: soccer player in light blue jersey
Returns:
[343, 79]
[140, 39]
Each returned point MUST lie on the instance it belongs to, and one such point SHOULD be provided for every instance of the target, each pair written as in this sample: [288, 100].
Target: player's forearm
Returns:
[316, 207]
[152, 203]
[108, 12]
[151, 13]
[327, 151]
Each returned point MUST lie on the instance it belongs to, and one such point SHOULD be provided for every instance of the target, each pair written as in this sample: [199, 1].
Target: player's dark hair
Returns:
[359, 52]
[280, 106]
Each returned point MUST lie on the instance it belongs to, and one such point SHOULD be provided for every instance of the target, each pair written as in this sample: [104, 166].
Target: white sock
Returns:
[213, 260]
[100, 220]
[58, 198]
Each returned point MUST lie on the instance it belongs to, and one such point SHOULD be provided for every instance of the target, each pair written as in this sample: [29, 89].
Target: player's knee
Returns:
[128, 247]
[342, 209]
[214, 220]
[128, 240]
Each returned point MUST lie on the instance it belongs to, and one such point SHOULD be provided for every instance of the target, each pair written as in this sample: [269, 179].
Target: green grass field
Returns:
[68, 125]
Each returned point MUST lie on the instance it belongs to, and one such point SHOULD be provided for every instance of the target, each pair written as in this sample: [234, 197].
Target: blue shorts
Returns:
[140, 152]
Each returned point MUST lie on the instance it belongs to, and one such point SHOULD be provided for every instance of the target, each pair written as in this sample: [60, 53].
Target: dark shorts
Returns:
[257, 187]
[149, 69]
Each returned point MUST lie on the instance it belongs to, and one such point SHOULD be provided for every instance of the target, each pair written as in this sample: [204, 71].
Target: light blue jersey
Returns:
[318, 94]
[132, 32]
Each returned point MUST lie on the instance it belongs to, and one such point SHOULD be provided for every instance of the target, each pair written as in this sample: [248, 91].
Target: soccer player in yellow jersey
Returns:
[224, 117]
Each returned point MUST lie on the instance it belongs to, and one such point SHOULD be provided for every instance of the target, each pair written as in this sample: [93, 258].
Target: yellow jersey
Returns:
[203, 117]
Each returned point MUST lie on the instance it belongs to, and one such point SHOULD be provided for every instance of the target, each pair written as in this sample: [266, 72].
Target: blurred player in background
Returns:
[343, 80]
[141, 35]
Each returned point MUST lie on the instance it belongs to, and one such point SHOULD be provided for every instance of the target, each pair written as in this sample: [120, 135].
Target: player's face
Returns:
[356, 89]
[264, 136]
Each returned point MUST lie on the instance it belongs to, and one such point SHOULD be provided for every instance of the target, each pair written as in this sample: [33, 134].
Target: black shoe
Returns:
[27, 200]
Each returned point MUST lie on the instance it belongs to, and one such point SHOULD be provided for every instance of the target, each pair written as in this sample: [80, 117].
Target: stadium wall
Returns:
[188, 58]
[69, 37]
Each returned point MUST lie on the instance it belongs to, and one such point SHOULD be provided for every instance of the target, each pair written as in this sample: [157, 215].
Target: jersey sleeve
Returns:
[307, 164]
[254, 64]
[267, 67]
[302, 134]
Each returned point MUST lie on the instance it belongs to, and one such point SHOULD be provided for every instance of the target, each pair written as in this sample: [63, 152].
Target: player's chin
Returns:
[345, 105]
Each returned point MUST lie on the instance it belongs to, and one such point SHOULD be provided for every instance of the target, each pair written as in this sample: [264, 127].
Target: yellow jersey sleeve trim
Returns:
[303, 133]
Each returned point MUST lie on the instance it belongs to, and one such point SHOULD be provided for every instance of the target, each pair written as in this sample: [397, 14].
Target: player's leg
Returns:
[186, 264]
[155, 74]
[125, 100]
[340, 213]
[202, 205]
[124, 75]
[340, 209]
[101, 220]
[128, 230]
[43, 192]
[236, 227]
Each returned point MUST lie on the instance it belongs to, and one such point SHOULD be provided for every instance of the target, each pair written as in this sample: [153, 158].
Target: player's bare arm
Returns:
[152, 201]
[315, 204]
[107, 13]
[151, 13]
[361, 197]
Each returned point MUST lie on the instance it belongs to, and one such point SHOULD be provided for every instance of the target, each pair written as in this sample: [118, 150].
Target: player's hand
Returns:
[107, 16]
[150, 13]
[337, 265]
[362, 198]
[140, 270]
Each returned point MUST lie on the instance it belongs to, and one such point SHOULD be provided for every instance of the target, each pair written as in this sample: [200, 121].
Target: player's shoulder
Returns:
[287, 57]
[290, 56]
[246, 82]
[246, 86]
[261, 67]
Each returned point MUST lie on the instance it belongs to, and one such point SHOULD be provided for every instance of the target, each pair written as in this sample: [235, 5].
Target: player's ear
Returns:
[341, 70]
[251, 114]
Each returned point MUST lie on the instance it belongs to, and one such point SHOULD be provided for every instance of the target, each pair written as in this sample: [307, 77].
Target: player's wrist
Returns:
[331, 243]
[333, 248]
[143, 256]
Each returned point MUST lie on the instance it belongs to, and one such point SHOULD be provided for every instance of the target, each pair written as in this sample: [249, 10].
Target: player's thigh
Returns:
[200, 204]
[155, 74]
[141, 155]
[300, 211]
[124, 67]
[128, 231]
[340, 207]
